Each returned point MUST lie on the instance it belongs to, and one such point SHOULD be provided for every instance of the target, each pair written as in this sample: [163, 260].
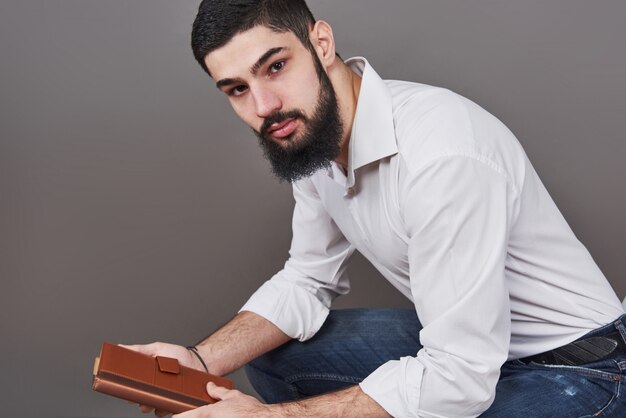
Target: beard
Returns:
[297, 157]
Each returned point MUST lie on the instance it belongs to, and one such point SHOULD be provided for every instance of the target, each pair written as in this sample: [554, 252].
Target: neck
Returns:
[347, 86]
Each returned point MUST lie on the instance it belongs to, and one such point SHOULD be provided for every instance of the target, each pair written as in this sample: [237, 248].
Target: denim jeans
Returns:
[354, 342]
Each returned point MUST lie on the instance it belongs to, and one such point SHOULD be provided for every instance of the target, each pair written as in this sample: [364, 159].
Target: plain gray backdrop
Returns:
[135, 207]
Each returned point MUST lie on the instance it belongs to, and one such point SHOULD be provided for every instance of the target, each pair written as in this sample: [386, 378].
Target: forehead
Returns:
[245, 48]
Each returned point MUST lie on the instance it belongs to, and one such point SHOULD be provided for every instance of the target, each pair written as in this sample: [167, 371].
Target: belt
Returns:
[585, 350]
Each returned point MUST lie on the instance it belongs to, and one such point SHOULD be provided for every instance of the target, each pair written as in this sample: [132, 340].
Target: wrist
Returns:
[196, 358]
[204, 352]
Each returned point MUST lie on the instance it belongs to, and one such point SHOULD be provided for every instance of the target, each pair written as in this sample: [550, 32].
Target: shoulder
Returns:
[407, 92]
[432, 123]
[429, 121]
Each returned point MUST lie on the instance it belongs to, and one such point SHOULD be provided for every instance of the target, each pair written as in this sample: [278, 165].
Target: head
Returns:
[270, 58]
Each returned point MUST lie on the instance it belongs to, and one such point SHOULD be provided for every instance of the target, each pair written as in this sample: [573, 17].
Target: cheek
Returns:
[302, 92]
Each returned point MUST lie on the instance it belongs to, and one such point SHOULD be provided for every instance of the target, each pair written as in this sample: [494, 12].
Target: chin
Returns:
[286, 141]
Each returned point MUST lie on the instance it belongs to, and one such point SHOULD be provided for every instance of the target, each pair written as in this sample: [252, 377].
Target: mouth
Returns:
[283, 129]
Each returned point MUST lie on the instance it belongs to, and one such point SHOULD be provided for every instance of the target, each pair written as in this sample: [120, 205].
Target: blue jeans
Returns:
[354, 342]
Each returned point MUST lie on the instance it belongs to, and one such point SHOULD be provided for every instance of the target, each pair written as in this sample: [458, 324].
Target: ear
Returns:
[323, 41]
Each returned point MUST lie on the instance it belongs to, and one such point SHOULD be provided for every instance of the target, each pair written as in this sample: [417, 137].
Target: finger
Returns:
[145, 408]
[141, 348]
[189, 414]
[159, 413]
[217, 392]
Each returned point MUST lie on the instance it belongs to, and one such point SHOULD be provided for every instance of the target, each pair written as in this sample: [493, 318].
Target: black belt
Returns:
[586, 350]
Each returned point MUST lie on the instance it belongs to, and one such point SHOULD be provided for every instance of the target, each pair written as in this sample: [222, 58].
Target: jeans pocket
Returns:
[602, 379]
[607, 370]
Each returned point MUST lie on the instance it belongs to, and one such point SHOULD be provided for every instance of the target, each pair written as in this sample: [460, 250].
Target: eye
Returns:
[237, 90]
[277, 66]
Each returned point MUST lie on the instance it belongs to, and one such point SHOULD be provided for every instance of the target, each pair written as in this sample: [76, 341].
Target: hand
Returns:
[182, 354]
[232, 404]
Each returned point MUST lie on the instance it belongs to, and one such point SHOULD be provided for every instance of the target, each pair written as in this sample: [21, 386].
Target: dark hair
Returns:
[218, 21]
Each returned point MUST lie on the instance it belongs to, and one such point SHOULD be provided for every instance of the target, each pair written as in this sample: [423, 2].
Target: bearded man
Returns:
[512, 316]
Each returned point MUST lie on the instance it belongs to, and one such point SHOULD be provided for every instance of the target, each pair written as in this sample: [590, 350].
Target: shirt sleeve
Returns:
[457, 212]
[297, 299]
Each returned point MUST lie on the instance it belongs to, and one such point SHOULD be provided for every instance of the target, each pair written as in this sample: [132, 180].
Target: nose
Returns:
[267, 102]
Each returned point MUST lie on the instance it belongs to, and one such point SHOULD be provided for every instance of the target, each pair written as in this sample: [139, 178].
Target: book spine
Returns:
[139, 396]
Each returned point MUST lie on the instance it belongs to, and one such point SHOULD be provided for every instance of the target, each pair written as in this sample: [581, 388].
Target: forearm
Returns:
[347, 403]
[242, 339]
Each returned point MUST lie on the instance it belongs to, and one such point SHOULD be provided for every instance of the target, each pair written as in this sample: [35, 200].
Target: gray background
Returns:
[135, 207]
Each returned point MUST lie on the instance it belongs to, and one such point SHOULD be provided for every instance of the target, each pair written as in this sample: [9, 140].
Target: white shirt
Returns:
[442, 200]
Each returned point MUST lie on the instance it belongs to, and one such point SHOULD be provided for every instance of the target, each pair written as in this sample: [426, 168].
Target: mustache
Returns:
[280, 117]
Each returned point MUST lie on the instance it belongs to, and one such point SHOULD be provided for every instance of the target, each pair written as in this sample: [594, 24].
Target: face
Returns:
[280, 89]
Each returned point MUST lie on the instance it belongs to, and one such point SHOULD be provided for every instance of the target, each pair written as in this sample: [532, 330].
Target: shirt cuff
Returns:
[395, 386]
[294, 310]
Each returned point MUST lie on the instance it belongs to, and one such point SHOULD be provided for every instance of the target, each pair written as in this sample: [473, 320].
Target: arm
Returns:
[347, 403]
[242, 339]
[457, 212]
[298, 298]
[293, 304]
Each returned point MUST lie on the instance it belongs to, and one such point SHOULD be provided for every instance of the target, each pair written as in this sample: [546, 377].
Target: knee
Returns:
[254, 375]
[262, 363]
[271, 386]
[255, 370]
[263, 368]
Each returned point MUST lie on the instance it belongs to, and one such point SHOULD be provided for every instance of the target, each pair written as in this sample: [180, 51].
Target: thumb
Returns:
[217, 392]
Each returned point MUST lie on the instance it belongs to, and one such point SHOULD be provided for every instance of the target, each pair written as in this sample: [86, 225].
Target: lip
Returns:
[284, 128]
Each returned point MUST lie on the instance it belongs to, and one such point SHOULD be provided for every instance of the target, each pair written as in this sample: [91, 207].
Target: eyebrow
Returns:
[255, 67]
[264, 58]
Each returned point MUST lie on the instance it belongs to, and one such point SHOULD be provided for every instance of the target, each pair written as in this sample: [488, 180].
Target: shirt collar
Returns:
[373, 134]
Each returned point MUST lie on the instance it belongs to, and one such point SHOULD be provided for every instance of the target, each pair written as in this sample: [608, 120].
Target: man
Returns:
[515, 318]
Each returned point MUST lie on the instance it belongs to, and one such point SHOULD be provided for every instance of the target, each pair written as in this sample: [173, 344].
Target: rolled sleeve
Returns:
[457, 212]
[290, 305]
[297, 299]
[395, 385]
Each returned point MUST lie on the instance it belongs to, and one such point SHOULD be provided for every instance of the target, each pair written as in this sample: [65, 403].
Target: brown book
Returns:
[159, 382]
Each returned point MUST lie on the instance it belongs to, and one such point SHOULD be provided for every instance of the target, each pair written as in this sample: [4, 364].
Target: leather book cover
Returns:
[159, 382]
